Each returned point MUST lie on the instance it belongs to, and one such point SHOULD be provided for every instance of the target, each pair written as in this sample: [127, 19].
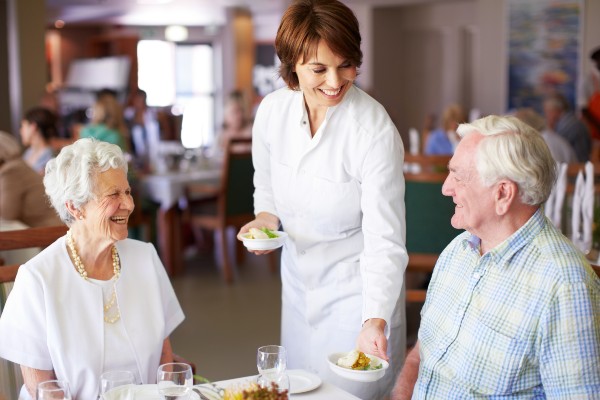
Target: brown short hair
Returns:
[304, 23]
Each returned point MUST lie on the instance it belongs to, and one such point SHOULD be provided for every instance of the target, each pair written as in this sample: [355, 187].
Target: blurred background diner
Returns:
[172, 65]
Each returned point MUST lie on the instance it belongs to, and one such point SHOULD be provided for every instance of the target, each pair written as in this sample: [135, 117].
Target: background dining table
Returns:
[168, 190]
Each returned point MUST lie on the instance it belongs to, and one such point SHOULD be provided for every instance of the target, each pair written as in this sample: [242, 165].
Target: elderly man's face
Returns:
[474, 202]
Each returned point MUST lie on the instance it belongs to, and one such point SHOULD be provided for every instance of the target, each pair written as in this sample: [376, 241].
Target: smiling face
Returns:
[474, 202]
[107, 214]
[325, 78]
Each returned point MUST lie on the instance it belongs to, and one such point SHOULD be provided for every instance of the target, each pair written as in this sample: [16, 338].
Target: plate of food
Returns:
[263, 239]
[357, 366]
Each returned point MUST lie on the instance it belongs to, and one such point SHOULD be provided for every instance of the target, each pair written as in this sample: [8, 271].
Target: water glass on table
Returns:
[53, 390]
[271, 362]
[174, 381]
[117, 385]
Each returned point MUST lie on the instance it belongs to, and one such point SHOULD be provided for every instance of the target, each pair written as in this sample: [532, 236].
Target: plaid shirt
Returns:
[520, 322]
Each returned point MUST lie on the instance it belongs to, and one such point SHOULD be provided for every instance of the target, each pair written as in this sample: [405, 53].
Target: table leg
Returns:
[169, 239]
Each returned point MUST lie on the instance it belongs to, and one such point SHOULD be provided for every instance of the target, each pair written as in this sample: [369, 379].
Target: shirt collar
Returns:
[523, 236]
[304, 113]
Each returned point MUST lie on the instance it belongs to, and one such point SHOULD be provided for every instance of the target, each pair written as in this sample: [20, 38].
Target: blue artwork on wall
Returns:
[544, 43]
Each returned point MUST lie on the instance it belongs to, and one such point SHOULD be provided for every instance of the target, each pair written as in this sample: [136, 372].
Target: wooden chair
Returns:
[231, 204]
[10, 373]
[415, 164]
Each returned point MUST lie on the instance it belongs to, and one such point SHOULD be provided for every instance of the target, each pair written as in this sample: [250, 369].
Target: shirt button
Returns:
[303, 122]
[302, 252]
[476, 275]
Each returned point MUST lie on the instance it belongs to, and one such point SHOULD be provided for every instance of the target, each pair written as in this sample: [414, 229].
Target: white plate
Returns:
[355, 374]
[264, 244]
[302, 381]
[150, 392]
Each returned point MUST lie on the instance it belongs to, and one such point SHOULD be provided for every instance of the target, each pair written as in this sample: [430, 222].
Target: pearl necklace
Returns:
[116, 261]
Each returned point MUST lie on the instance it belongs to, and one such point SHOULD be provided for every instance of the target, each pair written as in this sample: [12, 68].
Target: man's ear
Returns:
[505, 194]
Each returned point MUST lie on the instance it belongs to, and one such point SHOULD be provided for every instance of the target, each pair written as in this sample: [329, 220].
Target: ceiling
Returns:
[168, 12]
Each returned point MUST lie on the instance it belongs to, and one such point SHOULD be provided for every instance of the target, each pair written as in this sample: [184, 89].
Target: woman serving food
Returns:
[93, 300]
[328, 168]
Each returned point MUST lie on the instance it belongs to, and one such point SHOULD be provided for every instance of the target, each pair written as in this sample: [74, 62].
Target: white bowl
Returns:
[264, 244]
[356, 374]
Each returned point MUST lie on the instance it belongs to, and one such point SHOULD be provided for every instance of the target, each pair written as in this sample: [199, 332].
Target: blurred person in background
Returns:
[22, 195]
[38, 128]
[328, 168]
[237, 123]
[144, 129]
[107, 122]
[591, 93]
[560, 148]
[443, 141]
[562, 121]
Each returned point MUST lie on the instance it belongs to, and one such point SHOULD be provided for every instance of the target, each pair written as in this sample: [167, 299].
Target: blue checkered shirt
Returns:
[520, 322]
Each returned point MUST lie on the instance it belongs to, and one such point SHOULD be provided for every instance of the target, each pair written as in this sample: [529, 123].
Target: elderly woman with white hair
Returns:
[94, 300]
[21, 189]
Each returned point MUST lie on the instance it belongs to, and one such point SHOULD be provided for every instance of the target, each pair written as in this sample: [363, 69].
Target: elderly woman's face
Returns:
[325, 78]
[108, 213]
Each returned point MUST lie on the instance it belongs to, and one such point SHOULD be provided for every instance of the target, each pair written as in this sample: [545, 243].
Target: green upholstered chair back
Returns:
[239, 187]
[428, 214]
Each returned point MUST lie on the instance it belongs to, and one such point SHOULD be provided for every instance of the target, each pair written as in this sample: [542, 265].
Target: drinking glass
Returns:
[174, 381]
[117, 385]
[53, 390]
[271, 363]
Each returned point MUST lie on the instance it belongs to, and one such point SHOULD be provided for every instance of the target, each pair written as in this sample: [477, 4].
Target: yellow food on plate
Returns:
[257, 234]
[354, 360]
[252, 391]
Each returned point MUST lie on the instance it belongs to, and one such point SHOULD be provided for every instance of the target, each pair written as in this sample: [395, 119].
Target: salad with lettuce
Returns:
[262, 233]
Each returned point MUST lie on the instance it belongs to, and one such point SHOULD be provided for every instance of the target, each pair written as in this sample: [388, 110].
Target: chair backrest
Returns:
[428, 228]
[237, 200]
[415, 164]
[10, 374]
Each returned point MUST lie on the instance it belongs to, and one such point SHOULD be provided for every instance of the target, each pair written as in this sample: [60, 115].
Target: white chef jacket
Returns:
[54, 319]
[340, 197]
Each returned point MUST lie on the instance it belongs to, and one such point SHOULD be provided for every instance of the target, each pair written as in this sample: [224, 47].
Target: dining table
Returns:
[322, 391]
[168, 190]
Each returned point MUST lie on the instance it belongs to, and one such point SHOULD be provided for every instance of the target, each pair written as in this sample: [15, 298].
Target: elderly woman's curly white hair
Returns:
[70, 177]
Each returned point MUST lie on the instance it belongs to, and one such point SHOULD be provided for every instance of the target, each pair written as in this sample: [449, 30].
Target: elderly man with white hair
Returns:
[513, 308]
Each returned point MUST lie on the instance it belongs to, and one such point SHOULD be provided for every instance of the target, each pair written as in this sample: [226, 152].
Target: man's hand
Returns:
[371, 339]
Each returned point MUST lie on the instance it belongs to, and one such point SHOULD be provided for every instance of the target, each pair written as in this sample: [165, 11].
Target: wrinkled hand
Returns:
[262, 220]
[372, 340]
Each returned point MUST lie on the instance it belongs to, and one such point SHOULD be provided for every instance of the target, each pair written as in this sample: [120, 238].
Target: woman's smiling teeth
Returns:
[119, 220]
[331, 92]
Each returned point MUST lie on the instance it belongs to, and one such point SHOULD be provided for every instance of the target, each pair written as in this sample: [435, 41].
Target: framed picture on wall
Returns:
[265, 75]
[544, 50]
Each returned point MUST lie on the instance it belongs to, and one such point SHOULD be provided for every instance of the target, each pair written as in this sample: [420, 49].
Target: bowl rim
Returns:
[337, 355]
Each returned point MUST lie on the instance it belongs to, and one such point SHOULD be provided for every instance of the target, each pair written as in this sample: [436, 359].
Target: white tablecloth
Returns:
[325, 391]
[166, 189]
